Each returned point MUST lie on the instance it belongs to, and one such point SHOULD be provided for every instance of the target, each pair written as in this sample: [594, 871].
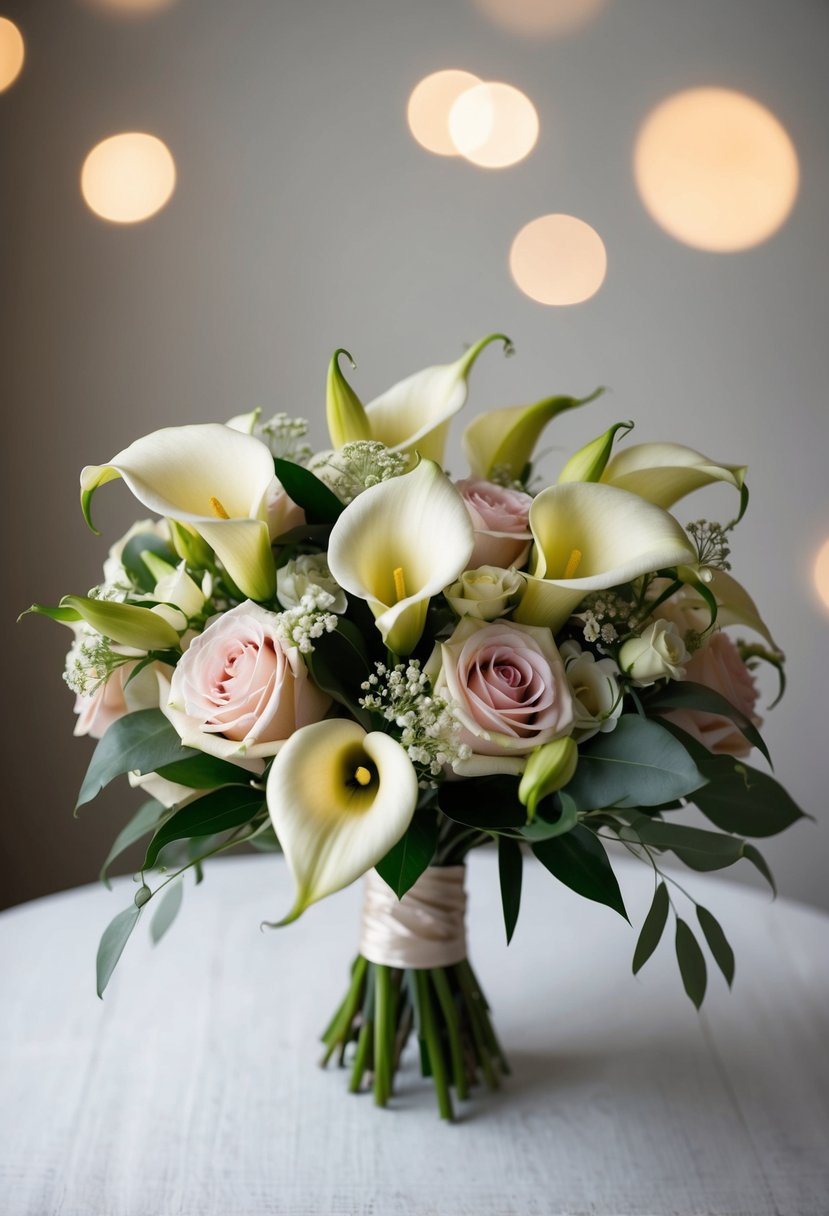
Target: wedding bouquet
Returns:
[351, 657]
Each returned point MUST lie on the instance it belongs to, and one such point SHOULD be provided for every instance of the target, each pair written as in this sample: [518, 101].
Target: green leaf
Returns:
[685, 694]
[637, 764]
[144, 821]
[220, 811]
[652, 928]
[55, 612]
[320, 505]
[142, 741]
[743, 799]
[759, 862]
[698, 848]
[135, 567]
[510, 871]
[112, 943]
[691, 962]
[203, 772]
[488, 803]
[339, 665]
[555, 815]
[167, 911]
[579, 861]
[718, 943]
[406, 861]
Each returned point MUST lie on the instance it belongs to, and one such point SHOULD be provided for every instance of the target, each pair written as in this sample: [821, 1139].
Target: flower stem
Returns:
[450, 1017]
[437, 1062]
[383, 1033]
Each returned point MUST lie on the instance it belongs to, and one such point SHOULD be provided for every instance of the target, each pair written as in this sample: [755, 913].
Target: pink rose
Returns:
[500, 518]
[240, 690]
[115, 698]
[507, 685]
[719, 666]
[283, 512]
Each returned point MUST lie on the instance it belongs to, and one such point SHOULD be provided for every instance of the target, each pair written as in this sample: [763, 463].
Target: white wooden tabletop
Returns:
[193, 1087]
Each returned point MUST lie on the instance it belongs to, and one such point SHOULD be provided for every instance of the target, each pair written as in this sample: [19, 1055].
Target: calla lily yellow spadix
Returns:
[414, 414]
[505, 439]
[411, 534]
[210, 477]
[663, 473]
[589, 537]
[338, 798]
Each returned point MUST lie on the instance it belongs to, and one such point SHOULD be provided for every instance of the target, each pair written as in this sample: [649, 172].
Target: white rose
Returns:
[597, 702]
[296, 577]
[659, 652]
[486, 593]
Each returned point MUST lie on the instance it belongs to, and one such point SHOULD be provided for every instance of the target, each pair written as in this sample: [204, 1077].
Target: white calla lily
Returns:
[211, 477]
[339, 799]
[174, 585]
[414, 414]
[663, 473]
[503, 440]
[398, 544]
[589, 537]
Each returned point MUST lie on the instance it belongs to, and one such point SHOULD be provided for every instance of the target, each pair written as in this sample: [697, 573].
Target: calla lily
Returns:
[589, 537]
[398, 544]
[590, 462]
[505, 439]
[344, 412]
[663, 473]
[124, 624]
[211, 477]
[174, 585]
[414, 414]
[339, 799]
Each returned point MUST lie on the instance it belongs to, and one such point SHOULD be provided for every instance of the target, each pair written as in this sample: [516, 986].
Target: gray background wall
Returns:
[307, 218]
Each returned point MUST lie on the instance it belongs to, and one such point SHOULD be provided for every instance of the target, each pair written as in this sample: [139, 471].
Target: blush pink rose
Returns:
[239, 690]
[283, 512]
[116, 697]
[719, 666]
[500, 518]
[507, 685]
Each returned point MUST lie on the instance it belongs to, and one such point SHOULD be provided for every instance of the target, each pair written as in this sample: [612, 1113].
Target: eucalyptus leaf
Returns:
[742, 799]
[718, 943]
[691, 963]
[579, 860]
[111, 947]
[510, 872]
[219, 811]
[759, 862]
[405, 862]
[685, 694]
[652, 928]
[167, 911]
[697, 847]
[204, 772]
[142, 741]
[637, 764]
[144, 821]
[321, 505]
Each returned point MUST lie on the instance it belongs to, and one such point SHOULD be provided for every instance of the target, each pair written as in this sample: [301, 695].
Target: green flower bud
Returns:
[549, 768]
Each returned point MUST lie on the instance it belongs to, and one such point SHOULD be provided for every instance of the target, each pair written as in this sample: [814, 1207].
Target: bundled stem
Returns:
[450, 1017]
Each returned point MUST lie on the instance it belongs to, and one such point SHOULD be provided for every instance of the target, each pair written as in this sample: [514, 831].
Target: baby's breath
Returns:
[285, 437]
[425, 725]
[309, 620]
[358, 466]
[90, 663]
[712, 545]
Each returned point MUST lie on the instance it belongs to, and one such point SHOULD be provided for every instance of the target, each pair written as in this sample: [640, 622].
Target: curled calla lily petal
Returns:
[125, 624]
[339, 799]
[505, 439]
[398, 544]
[344, 412]
[590, 462]
[589, 537]
[665, 472]
[246, 423]
[414, 414]
[211, 477]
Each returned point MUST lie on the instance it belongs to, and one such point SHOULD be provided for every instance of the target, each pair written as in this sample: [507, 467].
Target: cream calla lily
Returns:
[211, 477]
[504, 439]
[339, 799]
[590, 462]
[589, 537]
[414, 414]
[397, 545]
[665, 472]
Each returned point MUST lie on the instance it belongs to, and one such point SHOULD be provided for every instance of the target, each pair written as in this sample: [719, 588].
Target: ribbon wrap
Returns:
[424, 929]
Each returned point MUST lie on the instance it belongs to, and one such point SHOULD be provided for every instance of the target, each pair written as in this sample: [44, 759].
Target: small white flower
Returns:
[298, 576]
[597, 702]
[658, 653]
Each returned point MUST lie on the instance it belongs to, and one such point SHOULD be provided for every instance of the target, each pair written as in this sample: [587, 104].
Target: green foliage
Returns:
[339, 665]
[167, 910]
[142, 741]
[579, 861]
[718, 943]
[691, 963]
[203, 772]
[113, 941]
[695, 847]
[220, 811]
[742, 799]
[134, 565]
[405, 862]
[510, 872]
[639, 764]
[652, 928]
[685, 694]
[145, 820]
[320, 505]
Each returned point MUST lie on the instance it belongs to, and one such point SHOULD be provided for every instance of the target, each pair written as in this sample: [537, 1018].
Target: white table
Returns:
[192, 1089]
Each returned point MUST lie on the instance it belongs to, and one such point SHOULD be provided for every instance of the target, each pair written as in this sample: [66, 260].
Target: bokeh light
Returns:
[716, 169]
[558, 259]
[493, 125]
[130, 7]
[429, 106]
[128, 177]
[822, 573]
[12, 53]
[539, 18]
